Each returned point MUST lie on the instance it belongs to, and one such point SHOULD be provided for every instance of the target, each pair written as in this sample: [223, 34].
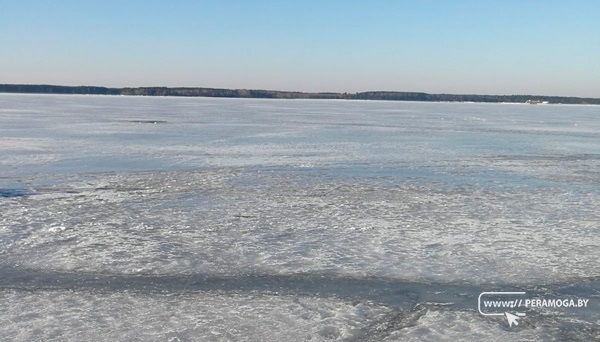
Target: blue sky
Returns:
[483, 47]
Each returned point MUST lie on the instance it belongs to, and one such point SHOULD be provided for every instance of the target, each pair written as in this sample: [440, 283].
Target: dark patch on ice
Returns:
[410, 300]
[389, 291]
[15, 193]
[393, 292]
[120, 189]
[61, 190]
[147, 121]
[244, 216]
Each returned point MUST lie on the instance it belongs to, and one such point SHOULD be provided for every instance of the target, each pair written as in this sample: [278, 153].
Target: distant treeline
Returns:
[274, 94]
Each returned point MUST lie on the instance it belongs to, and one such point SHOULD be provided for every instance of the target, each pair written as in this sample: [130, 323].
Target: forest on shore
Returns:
[276, 94]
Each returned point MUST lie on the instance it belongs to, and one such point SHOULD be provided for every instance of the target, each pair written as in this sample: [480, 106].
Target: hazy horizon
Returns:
[462, 47]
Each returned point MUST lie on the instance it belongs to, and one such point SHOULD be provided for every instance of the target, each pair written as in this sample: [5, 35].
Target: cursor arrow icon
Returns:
[512, 319]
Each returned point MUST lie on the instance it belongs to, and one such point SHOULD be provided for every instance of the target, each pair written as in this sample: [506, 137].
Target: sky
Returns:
[469, 47]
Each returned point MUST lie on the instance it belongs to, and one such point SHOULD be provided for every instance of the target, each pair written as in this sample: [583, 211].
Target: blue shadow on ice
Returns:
[15, 192]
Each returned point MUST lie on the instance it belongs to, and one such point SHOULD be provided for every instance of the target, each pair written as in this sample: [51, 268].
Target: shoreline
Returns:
[292, 95]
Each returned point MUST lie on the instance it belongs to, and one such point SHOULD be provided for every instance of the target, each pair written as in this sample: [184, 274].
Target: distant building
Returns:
[536, 102]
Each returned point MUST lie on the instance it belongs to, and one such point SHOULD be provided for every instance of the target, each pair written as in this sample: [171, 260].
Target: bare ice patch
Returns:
[232, 221]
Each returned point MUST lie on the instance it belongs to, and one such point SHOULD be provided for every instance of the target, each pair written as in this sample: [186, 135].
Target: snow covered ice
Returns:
[196, 219]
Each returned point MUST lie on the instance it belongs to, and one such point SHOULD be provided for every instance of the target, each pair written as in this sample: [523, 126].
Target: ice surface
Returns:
[229, 221]
[119, 316]
[119, 215]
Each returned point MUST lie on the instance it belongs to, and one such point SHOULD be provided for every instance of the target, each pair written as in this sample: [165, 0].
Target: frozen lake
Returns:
[201, 219]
